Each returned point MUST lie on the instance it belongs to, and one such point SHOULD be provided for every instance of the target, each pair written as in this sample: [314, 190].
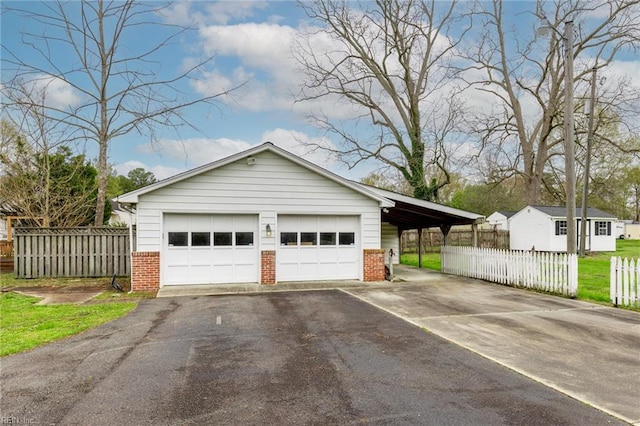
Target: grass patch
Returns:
[593, 269]
[23, 325]
[8, 281]
[429, 260]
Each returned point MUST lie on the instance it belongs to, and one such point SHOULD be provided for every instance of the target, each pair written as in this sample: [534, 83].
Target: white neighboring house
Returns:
[3, 228]
[544, 228]
[119, 215]
[628, 230]
[500, 219]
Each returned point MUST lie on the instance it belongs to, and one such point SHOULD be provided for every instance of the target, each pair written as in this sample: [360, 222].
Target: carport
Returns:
[411, 213]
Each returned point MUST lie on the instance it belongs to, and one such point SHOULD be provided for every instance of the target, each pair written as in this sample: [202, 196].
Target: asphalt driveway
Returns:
[280, 358]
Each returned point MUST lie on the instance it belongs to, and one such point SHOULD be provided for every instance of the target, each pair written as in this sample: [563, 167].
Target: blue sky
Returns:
[250, 42]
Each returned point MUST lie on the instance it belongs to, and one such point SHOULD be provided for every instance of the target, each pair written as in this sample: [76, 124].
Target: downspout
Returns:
[133, 216]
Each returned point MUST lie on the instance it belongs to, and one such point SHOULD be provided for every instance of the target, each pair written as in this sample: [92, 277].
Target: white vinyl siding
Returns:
[272, 186]
[531, 228]
[603, 235]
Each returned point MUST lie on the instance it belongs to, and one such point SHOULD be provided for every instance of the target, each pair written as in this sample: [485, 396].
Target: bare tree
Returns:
[388, 62]
[40, 178]
[88, 46]
[522, 73]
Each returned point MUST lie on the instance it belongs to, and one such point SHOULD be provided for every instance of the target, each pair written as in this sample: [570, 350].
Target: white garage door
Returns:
[318, 248]
[203, 249]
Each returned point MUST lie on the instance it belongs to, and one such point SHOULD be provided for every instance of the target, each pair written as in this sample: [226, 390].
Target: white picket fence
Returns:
[550, 272]
[625, 282]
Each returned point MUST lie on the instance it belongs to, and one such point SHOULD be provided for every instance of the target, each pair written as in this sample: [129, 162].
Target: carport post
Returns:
[445, 228]
[419, 247]
[474, 238]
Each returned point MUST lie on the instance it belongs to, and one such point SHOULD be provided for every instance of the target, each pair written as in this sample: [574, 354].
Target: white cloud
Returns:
[57, 92]
[198, 151]
[627, 70]
[221, 12]
[302, 145]
[159, 171]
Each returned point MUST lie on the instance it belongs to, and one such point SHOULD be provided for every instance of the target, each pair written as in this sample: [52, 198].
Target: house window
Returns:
[178, 239]
[200, 239]
[561, 227]
[602, 228]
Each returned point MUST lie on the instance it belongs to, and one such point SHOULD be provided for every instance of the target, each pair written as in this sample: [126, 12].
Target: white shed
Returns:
[500, 219]
[264, 216]
[544, 228]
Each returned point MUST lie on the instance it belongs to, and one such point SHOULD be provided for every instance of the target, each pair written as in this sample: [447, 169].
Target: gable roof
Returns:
[403, 211]
[561, 211]
[133, 196]
[502, 213]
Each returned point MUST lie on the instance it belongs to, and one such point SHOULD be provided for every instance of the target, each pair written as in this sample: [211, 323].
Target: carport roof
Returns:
[412, 213]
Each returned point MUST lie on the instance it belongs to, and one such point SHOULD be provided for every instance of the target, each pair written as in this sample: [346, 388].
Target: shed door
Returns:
[210, 249]
[315, 248]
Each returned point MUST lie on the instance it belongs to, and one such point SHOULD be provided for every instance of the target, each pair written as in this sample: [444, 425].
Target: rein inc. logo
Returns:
[11, 420]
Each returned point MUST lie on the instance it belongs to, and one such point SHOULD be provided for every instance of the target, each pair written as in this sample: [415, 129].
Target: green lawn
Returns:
[23, 325]
[593, 269]
[429, 260]
[8, 281]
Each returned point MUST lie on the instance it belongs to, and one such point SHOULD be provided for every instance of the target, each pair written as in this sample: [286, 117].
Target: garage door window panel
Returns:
[289, 238]
[308, 239]
[178, 239]
[327, 238]
[347, 238]
[222, 239]
[200, 239]
[244, 238]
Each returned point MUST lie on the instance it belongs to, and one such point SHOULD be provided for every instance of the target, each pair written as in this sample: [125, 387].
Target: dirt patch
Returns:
[53, 295]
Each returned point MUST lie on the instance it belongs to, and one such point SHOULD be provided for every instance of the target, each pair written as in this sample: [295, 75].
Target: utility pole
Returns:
[569, 143]
[587, 163]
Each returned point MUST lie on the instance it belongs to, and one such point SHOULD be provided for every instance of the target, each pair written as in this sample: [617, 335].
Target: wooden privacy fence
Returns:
[6, 256]
[432, 239]
[544, 271]
[71, 252]
[625, 282]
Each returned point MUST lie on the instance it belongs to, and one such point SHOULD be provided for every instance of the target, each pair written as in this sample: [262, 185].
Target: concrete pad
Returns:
[589, 352]
[61, 295]
[229, 289]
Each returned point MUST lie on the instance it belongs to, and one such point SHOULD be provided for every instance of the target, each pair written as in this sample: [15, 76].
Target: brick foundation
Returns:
[268, 267]
[373, 264]
[145, 271]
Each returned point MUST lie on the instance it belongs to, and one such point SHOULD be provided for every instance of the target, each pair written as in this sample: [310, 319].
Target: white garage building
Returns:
[266, 216]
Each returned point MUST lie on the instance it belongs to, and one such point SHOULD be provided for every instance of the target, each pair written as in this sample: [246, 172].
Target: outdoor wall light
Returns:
[251, 161]
[268, 230]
